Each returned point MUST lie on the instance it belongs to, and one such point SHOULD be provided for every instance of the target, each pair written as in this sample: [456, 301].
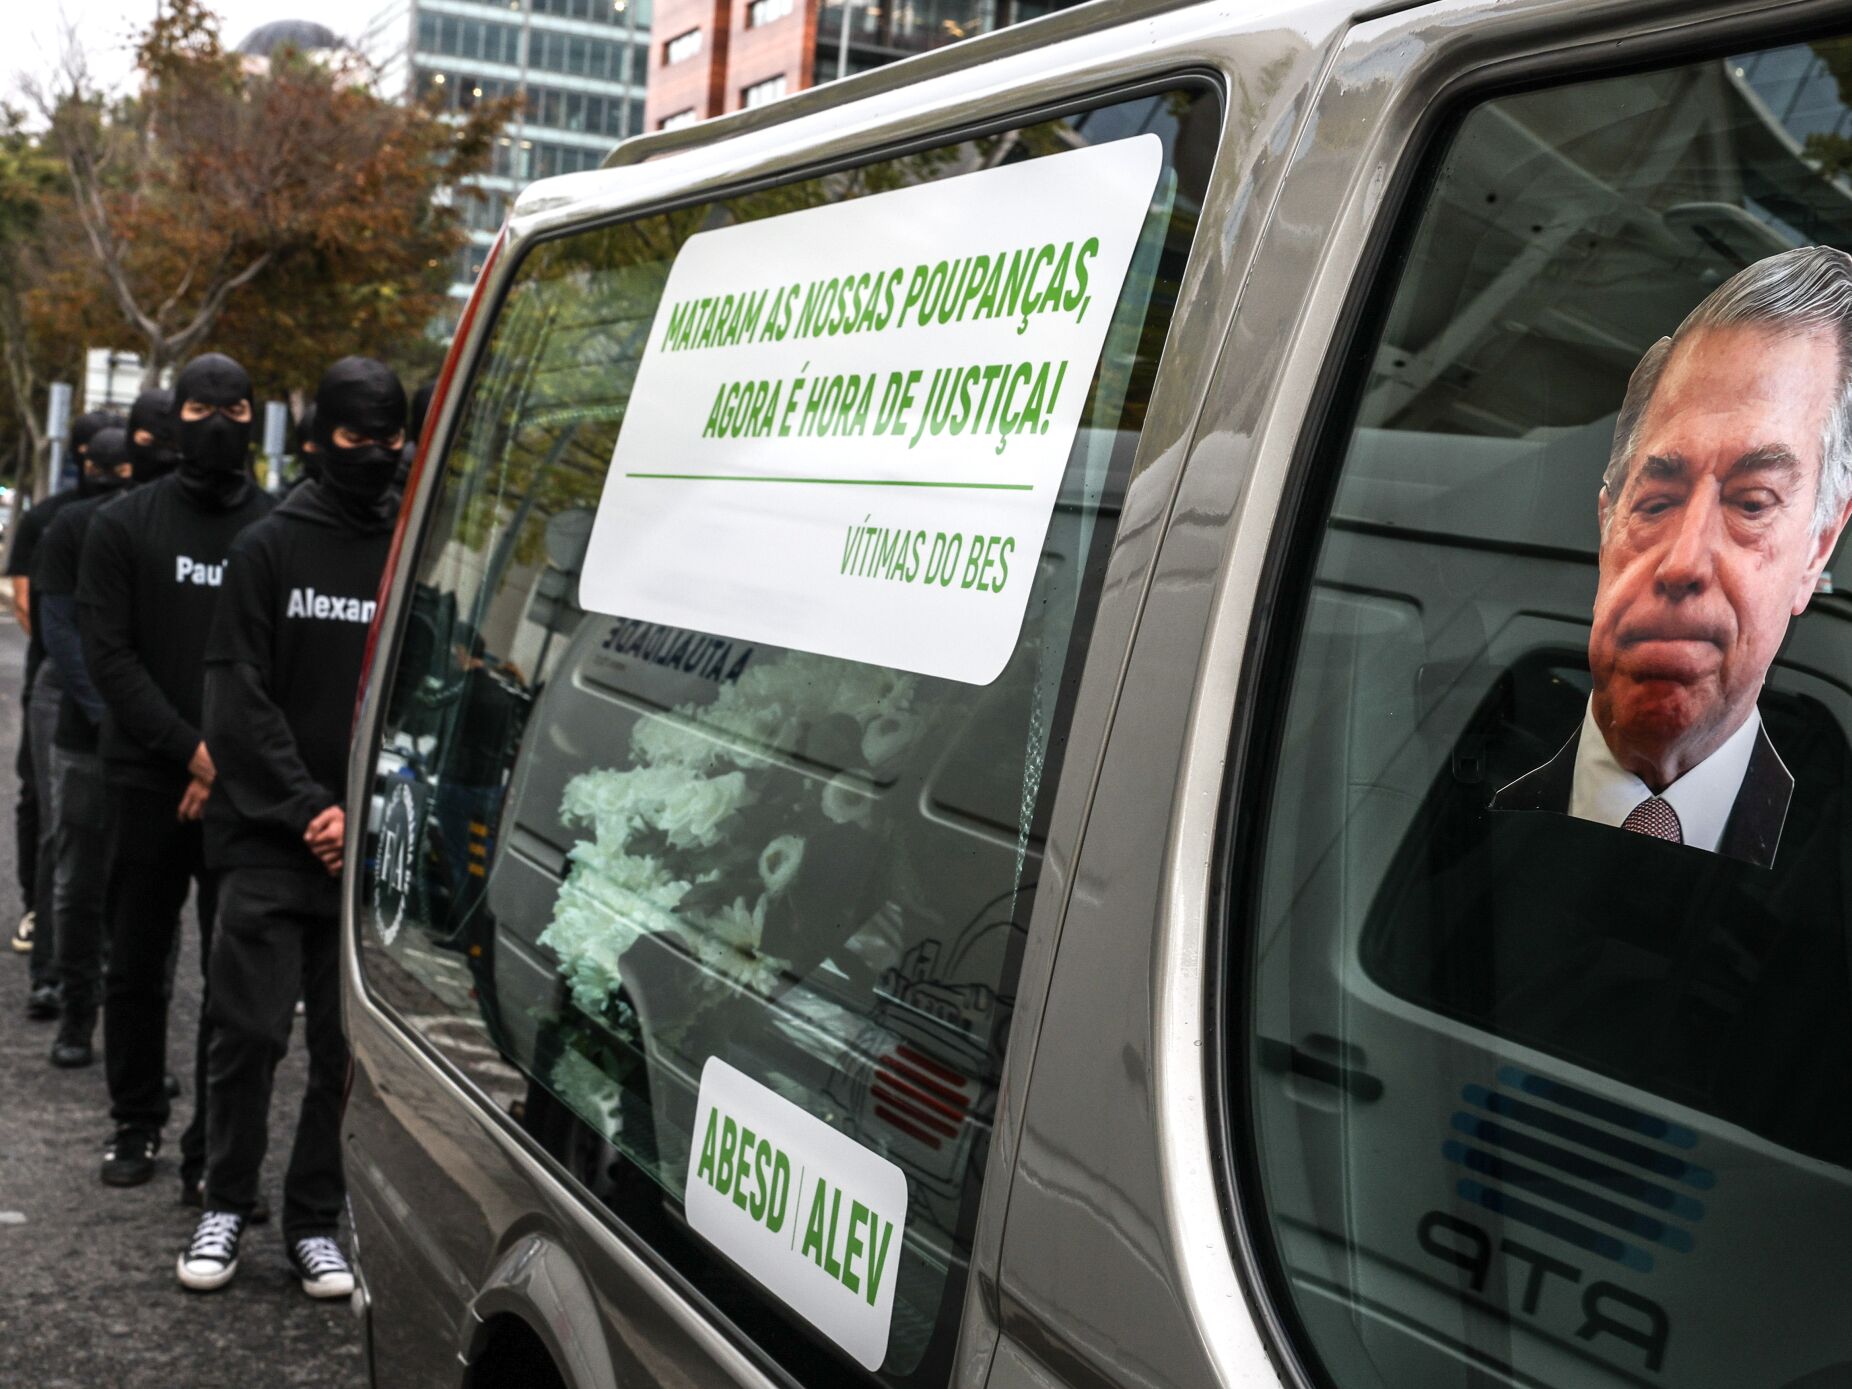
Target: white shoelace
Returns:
[216, 1237]
[320, 1255]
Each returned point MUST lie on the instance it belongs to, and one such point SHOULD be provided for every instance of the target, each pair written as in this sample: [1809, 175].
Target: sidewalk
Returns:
[90, 1296]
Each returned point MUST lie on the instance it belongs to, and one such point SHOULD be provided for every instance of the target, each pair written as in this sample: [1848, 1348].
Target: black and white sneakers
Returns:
[321, 1266]
[211, 1258]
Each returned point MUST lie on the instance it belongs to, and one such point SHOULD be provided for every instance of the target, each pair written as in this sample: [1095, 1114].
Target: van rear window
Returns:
[1546, 1084]
[694, 908]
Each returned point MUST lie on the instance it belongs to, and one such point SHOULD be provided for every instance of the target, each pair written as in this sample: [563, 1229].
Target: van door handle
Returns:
[1284, 1057]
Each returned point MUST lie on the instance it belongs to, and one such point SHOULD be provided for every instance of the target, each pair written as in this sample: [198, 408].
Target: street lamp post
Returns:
[842, 44]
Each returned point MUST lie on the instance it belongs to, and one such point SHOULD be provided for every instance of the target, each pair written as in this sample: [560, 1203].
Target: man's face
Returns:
[1710, 547]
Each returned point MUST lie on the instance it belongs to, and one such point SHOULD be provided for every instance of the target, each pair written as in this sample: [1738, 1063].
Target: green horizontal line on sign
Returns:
[839, 481]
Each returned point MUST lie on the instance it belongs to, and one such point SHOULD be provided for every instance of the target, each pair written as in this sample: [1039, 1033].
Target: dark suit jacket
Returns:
[1751, 834]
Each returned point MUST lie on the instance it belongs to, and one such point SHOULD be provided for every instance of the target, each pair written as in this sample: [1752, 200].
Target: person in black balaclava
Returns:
[41, 936]
[147, 585]
[31, 527]
[282, 665]
[83, 429]
[78, 791]
[154, 435]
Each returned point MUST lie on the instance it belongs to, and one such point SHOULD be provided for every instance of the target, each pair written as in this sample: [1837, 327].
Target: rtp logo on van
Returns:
[812, 1214]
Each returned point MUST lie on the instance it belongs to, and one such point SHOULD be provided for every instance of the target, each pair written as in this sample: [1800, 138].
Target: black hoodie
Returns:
[54, 594]
[147, 585]
[282, 671]
[23, 560]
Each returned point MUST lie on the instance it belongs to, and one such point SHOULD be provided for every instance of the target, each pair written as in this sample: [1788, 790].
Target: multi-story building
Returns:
[581, 68]
[708, 57]
[577, 66]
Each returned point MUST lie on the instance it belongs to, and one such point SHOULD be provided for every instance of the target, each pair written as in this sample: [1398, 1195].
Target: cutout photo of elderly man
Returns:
[1727, 487]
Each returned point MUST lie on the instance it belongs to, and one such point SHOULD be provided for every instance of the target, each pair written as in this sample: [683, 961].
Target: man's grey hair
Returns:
[1806, 290]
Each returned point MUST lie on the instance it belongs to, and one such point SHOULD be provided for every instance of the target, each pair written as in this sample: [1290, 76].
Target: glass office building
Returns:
[579, 67]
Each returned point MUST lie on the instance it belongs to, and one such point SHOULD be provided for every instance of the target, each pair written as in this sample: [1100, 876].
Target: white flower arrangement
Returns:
[662, 826]
[779, 863]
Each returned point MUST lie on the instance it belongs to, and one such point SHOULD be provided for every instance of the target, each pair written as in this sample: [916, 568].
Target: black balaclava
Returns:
[154, 412]
[214, 451]
[364, 396]
[109, 450]
[309, 456]
[83, 429]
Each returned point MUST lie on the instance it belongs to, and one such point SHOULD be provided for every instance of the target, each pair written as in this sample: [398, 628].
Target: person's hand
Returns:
[200, 765]
[193, 800]
[326, 837]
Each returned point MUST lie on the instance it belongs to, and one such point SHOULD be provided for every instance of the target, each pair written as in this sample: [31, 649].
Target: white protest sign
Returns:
[813, 1215]
[849, 424]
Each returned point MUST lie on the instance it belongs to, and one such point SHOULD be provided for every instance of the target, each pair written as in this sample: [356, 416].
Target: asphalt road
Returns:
[88, 1298]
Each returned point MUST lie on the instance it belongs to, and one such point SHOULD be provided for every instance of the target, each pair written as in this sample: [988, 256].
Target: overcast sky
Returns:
[34, 29]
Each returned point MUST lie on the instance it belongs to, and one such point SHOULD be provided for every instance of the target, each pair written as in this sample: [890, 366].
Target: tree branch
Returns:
[181, 342]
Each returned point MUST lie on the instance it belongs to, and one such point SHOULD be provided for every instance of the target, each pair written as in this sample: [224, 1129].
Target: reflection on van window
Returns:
[604, 850]
[1535, 1100]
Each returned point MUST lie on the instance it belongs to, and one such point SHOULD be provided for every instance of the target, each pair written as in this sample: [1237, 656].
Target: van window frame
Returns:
[1283, 594]
[1209, 83]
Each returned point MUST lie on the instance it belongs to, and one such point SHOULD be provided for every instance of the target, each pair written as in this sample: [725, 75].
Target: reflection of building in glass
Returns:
[1798, 89]
[708, 57]
[578, 66]
[1571, 236]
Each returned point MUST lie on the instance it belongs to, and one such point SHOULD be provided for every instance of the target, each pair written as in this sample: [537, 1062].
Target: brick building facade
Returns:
[709, 57]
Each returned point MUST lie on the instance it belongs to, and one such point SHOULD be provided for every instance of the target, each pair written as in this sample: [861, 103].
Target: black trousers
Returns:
[25, 811]
[80, 800]
[41, 724]
[155, 858]
[278, 940]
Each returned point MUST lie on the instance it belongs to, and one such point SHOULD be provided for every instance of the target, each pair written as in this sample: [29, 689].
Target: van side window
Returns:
[1547, 1061]
[604, 852]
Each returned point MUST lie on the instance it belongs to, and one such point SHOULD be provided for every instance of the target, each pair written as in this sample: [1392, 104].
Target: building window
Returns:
[759, 93]
[681, 47]
[678, 120]
[765, 11]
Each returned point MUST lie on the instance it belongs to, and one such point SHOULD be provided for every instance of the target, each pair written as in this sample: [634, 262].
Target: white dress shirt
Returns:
[1607, 792]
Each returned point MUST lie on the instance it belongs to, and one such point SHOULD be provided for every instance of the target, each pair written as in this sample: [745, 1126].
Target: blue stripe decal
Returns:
[1551, 1223]
[1621, 1149]
[1619, 1115]
[1580, 1165]
[1548, 1188]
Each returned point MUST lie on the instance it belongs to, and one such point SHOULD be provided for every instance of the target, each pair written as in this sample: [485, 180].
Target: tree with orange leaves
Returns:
[285, 213]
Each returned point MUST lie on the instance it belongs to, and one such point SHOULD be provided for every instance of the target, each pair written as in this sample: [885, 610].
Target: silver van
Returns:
[784, 951]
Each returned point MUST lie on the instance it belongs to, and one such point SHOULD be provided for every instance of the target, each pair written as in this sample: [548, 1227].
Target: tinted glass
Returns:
[1537, 1099]
[632, 848]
